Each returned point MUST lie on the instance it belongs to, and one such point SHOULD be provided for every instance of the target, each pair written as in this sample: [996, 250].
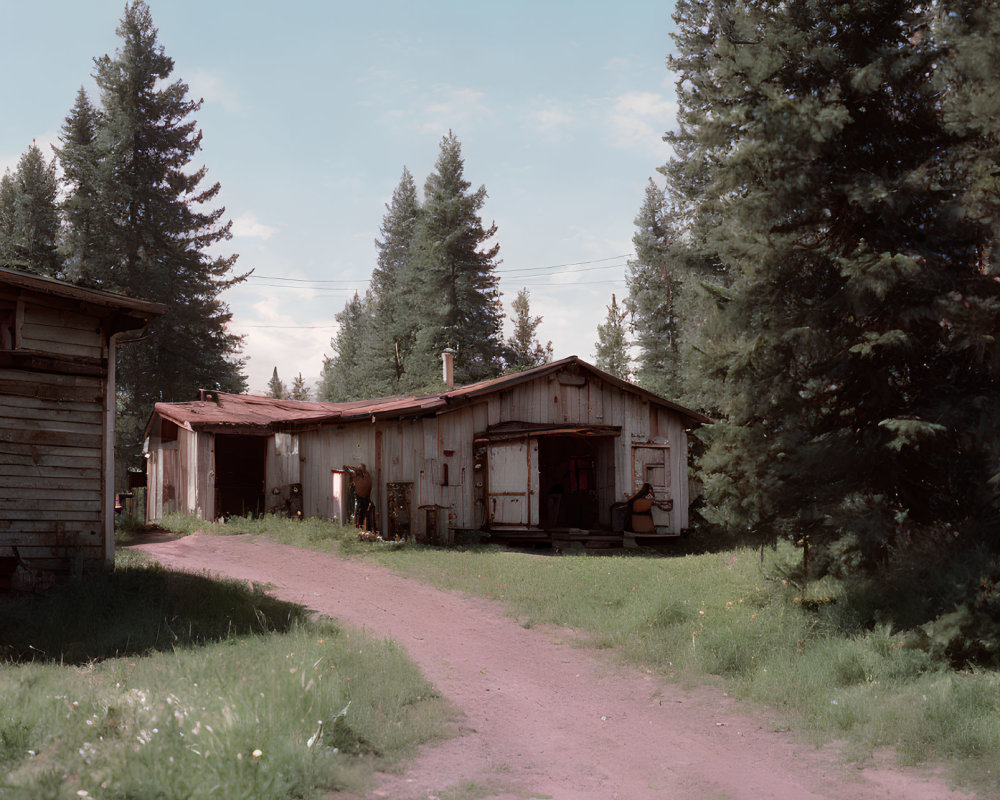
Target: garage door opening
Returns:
[240, 473]
[572, 490]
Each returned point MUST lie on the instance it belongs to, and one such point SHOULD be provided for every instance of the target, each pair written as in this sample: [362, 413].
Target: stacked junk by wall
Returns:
[559, 452]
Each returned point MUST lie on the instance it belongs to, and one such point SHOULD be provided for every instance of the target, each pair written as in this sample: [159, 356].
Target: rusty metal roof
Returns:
[221, 410]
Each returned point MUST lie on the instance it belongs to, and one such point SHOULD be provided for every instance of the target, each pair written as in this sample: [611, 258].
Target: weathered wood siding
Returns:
[52, 444]
[325, 449]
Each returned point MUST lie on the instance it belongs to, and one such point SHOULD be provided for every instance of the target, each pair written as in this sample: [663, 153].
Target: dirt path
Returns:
[542, 718]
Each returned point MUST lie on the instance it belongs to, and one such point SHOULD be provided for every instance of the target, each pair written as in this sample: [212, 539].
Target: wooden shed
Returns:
[57, 406]
[542, 454]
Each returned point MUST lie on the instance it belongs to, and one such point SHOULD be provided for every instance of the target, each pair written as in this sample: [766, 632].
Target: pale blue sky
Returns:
[312, 109]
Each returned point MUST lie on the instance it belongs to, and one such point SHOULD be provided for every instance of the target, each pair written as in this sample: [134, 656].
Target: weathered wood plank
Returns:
[10, 473]
[51, 456]
[52, 494]
[53, 378]
[48, 438]
[48, 538]
[41, 361]
[62, 341]
[74, 518]
[62, 318]
[45, 507]
[42, 404]
[56, 425]
[34, 408]
[62, 391]
[70, 527]
[22, 485]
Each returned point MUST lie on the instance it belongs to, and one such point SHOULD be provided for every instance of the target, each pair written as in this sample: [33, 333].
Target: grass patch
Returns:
[173, 686]
[312, 533]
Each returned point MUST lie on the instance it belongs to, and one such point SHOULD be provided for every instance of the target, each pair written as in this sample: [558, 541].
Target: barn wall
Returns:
[52, 443]
[325, 449]
[586, 400]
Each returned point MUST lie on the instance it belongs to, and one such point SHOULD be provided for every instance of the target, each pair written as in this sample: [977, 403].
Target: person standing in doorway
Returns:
[364, 509]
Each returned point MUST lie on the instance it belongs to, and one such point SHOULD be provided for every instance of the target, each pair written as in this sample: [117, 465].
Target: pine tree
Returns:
[299, 389]
[83, 246]
[654, 297]
[612, 346]
[276, 387]
[158, 229]
[393, 329]
[29, 215]
[8, 201]
[347, 373]
[451, 285]
[847, 160]
[524, 349]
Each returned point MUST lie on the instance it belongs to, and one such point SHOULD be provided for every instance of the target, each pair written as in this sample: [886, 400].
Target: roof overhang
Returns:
[513, 431]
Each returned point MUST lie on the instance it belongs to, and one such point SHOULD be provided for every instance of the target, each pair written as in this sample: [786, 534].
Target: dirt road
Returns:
[541, 717]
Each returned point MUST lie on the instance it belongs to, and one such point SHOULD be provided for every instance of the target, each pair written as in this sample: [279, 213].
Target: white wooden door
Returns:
[513, 483]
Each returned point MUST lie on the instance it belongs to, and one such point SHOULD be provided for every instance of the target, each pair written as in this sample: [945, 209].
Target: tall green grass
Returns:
[173, 686]
[315, 534]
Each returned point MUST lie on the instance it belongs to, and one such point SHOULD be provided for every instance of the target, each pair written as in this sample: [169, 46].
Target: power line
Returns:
[498, 271]
[296, 327]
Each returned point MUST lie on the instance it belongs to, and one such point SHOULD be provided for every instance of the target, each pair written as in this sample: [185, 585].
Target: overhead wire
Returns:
[349, 287]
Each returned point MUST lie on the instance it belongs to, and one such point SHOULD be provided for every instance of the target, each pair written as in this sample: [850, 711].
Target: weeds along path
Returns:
[540, 717]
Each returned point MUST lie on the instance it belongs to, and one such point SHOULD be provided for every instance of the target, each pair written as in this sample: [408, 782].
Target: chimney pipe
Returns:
[448, 359]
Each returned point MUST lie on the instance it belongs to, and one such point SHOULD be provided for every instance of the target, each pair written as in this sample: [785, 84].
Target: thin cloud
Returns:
[450, 107]
[247, 226]
[551, 120]
[639, 119]
[214, 90]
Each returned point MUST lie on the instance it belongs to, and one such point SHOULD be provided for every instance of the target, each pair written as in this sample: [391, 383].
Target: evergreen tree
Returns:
[654, 297]
[612, 346]
[158, 228]
[393, 323]
[846, 157]
[451, 285]
[29, 215]
[276, 387]
[83, 248]
[8, 202]
[524, 349]
[299, 389]
[347, 373]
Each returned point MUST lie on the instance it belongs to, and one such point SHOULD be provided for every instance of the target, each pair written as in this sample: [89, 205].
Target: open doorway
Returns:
[240, 473]
[569, 482]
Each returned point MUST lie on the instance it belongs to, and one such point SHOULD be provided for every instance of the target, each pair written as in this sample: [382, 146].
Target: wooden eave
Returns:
[123, 313]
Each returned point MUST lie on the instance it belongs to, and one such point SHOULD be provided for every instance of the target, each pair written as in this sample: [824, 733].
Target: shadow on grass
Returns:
[136, 610]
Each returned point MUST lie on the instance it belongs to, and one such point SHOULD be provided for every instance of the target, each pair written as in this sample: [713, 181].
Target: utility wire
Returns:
[498, 271]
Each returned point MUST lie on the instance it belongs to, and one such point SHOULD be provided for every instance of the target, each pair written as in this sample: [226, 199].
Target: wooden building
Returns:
[57, 405]
[546, 451]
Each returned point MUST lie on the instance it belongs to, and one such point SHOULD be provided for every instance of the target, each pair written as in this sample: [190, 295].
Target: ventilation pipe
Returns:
[448, 360]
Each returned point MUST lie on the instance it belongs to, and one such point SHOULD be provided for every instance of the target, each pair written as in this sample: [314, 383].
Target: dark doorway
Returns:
[568, 481]
[240, 472]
